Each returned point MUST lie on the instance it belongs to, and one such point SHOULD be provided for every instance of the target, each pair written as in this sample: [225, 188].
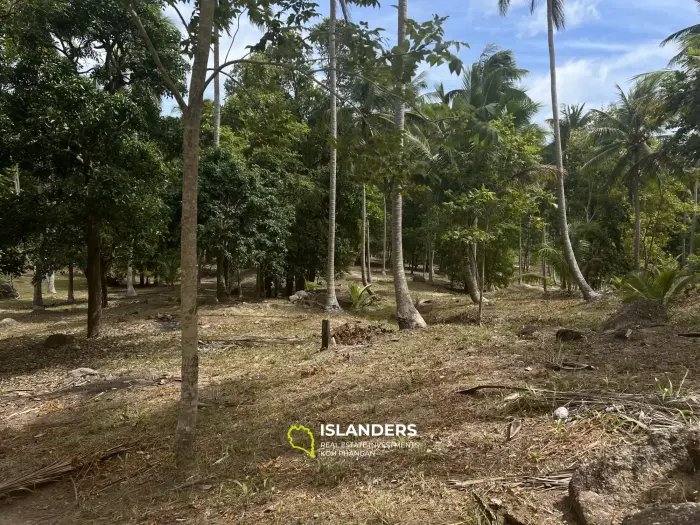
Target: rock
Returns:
[639, 313]
[80, 372]
[7, 322]
[673, 514]
[300, 296]
[660, 471]
[527, 331]
[8, 292]
[561, 413]
[418, 279]
[59, 340]
[623, 333]
[164, 317]
[569, 334]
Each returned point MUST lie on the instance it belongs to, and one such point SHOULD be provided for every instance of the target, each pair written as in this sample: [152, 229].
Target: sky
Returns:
[605, 42]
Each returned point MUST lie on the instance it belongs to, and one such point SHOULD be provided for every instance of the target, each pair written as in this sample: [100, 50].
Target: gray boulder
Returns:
[8, 292]
[8, 322]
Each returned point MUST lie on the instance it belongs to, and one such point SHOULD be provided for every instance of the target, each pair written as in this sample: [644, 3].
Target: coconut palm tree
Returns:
[626, 133]
[683, 37]
[555, 18]
[406, 313]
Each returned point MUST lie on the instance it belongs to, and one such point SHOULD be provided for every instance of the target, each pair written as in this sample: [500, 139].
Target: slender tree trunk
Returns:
[142, 278]
[363, 262]
[51, 283]
[544, 258]
[384, 238]
[332, 304]
[693, 224]
[431, 260]
[217, 89]
[240, 286]
[637, 222]
[130, 292]
[16, 180]
[369, 258]
[38, 300]
[94, 278]
[406, 313]
[71, 284]
[185, 438]
[588, 292]
[520, 253]
[483, 276]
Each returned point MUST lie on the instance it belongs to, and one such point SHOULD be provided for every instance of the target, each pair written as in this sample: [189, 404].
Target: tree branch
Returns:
[154, 55]
[182, 19]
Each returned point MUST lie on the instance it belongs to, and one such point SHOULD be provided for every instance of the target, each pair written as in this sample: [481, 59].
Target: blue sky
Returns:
[606, 42]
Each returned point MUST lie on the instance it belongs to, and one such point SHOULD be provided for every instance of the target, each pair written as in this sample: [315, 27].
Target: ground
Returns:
[253, 391]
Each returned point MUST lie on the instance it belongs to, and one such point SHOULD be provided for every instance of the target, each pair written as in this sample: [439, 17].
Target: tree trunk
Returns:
[142, 278]
[38, 300]
[431, 260]
[71, 284]
[130, 292]
[408, 317]
[520, 253]
[217, 89]
[185, 438]
[332, 304]
[544, 258]
[471, 286]
[16, 180]
[369, 259]
[363, 269]
[406, 313]
[94, 278]
[693, 224]
[637, 222]
[587, 291]
[384, 238]
[51, 283]
[483, 276]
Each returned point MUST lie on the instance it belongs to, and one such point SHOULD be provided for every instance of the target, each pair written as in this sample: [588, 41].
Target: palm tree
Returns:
[684, 37]
[555, 18]
[332, 304]
[626, 133]
[406, 313]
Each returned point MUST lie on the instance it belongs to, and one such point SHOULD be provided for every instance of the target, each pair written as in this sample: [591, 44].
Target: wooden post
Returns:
[325, 334]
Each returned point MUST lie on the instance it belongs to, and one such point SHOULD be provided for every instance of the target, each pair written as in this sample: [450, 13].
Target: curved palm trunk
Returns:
[331, 299]
[637, 223]
[407, 315]
[587, 291]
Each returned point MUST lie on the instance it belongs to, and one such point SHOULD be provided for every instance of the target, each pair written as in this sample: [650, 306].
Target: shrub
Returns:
[661, 286]
[360, 295]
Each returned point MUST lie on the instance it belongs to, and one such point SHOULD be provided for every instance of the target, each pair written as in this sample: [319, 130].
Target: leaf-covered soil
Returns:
[262, 371]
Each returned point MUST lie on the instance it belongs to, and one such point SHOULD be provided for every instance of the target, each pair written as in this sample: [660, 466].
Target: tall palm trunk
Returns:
[363, 262]
[637, 221]
[51, 283]
[130, 291]
[217, 90]
[587, 291]
[384, 239]
[694, 224]
[406, 313]
[369, 257]
[331, 300]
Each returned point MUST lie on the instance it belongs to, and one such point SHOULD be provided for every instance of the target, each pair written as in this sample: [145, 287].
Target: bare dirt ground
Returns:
[252, 392]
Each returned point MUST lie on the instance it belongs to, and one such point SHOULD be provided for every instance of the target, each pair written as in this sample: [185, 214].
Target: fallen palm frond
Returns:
[251, 340]
[653, 412]
[54, 472]
[554, 481]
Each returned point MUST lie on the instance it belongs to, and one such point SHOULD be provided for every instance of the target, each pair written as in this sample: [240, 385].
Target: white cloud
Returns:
[577, 13]
[592, 80]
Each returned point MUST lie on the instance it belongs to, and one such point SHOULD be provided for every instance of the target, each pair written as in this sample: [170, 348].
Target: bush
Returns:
[660, 286]
[169, 267]
[360, 295]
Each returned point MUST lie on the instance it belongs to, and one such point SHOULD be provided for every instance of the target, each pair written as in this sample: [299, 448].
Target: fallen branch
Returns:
[689, 334]
[55, 471]
[251, 340]
[558, 480]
